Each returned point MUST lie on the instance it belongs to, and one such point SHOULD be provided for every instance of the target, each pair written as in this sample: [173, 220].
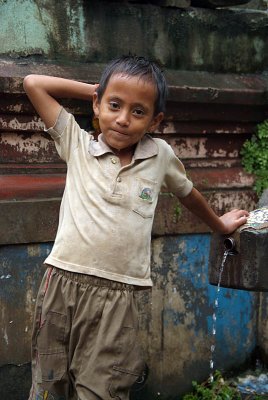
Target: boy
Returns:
[84, 339]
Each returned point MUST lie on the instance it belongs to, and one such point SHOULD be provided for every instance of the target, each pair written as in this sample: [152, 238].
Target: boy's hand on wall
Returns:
[232, 220]
[225, 224]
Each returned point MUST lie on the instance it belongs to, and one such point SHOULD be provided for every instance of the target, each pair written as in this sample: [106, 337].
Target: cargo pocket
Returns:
[129, 368]
[145, 197]
[52, 355]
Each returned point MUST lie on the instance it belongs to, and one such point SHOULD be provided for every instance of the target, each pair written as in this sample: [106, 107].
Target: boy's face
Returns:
[126, 111]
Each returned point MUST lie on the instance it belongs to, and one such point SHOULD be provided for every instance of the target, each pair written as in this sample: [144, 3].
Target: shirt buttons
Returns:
[119, 179]
[113, 160]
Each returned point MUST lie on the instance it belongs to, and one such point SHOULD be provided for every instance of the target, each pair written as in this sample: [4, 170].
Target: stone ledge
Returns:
[36, 220]
[184, 86]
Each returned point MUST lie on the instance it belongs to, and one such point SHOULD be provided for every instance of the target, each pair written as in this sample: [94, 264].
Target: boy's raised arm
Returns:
[225, 224]
[43, 91]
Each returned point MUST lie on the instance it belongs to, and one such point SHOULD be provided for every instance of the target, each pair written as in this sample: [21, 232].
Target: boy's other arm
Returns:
[43, 90]
[225, 224]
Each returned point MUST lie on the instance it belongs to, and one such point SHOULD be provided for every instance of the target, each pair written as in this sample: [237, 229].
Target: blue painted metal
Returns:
[236, 335]
[20, 275]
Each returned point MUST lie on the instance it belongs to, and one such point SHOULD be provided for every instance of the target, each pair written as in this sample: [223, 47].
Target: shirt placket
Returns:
[117, 179]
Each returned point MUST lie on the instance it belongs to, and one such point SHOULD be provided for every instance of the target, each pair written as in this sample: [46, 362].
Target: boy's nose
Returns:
[123, 118]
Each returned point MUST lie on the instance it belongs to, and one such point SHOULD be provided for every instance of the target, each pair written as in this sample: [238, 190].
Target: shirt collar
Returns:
[145, 148]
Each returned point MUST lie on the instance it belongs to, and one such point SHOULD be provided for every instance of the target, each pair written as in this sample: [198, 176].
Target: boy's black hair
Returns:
[136, 66]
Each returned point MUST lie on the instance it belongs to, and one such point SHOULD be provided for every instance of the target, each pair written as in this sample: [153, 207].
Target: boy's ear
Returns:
[156, 121]
[95, 102]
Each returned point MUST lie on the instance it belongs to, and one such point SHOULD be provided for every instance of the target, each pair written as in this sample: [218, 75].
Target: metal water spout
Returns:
[230, 246]
[246, 266]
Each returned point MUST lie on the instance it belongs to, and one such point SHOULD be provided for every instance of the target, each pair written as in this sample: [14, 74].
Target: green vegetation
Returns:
[218, 389]
[255, 157]
[177, 212]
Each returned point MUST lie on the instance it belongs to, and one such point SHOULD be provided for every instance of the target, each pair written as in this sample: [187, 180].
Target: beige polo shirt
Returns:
[107, 211]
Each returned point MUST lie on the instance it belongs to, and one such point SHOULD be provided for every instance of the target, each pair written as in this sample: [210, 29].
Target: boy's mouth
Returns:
[119, 133]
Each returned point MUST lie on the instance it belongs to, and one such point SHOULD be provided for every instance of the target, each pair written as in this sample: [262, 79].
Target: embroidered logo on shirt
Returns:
[146, 194]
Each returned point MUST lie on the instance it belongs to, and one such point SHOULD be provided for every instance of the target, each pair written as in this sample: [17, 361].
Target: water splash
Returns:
[214, 319]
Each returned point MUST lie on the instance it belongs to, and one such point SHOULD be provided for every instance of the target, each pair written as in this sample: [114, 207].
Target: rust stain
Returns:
[31, 186]
[221, 178]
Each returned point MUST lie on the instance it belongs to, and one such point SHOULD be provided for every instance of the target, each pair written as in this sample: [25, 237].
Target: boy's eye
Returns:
[113, 105]
[139, 112]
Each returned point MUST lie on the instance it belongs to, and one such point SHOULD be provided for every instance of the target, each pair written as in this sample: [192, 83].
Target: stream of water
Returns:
[255, 382]
[214, 319]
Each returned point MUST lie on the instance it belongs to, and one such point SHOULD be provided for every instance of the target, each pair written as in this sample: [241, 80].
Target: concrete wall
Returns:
[209, 115]
[96, 31]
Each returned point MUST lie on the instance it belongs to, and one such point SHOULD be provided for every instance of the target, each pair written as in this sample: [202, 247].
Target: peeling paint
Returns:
[166, 128]
[8, 276]
[33, 250]
[14, 123]
[17, 108]
[35, 148]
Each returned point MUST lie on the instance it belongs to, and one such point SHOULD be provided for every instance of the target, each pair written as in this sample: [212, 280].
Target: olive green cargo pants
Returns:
[84, 343]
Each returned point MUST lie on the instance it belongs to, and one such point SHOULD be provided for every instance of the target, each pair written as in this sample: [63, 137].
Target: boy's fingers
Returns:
[241, 213]
[244, 213]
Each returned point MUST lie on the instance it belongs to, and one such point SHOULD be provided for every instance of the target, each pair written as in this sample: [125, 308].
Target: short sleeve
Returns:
[65, 133]
[175, 179]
